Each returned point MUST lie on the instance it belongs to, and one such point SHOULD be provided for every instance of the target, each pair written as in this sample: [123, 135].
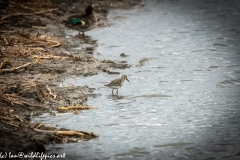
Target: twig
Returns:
[39, 125]
[38, 27]
[10, 124]
[16, 68]
[50, 92]
[49, 57]
[17, 117]
[4, 62]
[7, 31]
[26, 14]
[6, 41]
[76, 107]
[55, 45]
[66, 133]
[5, 118]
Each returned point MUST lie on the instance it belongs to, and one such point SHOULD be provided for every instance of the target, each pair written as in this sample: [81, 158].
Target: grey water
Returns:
[182, 101]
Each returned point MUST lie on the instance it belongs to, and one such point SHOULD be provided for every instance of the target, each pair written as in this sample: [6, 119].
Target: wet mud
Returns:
[35, 57]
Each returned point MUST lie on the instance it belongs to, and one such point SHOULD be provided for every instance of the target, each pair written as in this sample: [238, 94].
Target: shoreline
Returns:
[35, 57]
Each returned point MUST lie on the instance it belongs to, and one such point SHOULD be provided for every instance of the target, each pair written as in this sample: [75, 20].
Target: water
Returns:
[182, 101]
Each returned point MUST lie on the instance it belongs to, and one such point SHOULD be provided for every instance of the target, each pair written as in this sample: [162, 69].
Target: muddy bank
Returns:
[34, 58]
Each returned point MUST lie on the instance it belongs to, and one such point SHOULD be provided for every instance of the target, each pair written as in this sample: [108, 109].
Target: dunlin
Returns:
[117, 83]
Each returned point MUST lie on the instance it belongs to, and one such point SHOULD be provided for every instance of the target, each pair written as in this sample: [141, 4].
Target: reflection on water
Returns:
[183, 97]
[76, 42]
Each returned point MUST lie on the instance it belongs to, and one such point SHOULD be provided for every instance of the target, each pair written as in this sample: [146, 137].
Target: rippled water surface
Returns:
[183, 97]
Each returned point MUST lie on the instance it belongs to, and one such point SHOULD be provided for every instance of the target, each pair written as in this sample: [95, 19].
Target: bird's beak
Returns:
[127, 80]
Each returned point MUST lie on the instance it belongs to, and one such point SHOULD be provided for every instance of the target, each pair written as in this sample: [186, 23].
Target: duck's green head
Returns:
[76, 21]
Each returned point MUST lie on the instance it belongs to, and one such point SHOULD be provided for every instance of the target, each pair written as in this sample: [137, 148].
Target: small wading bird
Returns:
[117, 83]
[84, 22]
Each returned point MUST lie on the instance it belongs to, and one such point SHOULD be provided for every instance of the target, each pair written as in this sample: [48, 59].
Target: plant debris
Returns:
[33, 63]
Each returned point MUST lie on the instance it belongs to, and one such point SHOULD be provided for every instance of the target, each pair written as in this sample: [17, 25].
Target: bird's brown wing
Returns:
[114, 82]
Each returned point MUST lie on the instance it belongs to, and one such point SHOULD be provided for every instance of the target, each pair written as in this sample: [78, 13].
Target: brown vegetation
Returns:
[31, 59]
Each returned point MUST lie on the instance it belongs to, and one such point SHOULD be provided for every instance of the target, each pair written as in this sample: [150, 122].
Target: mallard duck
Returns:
[83, 22]
[117, 83]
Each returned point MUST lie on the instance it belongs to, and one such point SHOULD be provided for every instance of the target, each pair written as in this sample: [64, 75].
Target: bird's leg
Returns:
[117, 91]
[79, 35]
[112, 91]
[83, 34]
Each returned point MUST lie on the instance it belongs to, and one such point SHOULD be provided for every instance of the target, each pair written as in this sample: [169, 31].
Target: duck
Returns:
[83, 22]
